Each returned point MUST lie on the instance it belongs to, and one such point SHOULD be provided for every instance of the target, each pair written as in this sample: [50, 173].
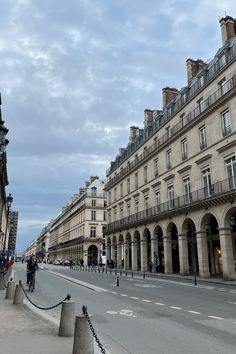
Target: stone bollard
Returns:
[18, 296]
[67, 321]
[11, 285]
[83, 339]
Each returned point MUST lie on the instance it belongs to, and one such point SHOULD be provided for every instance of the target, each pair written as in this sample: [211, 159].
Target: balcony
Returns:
[207, 106]
[219, 193]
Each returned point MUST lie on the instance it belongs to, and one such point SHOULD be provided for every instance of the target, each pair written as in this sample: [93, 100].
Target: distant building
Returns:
[77, 232]
[172, 190]
[13, 218]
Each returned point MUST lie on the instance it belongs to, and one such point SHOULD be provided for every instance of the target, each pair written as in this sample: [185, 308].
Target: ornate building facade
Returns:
[172, 190]
[77, 232]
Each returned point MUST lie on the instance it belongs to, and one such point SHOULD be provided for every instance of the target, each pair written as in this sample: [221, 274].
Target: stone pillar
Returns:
[183, 254]
[119, 256]
[134, 255]
[167, 255]
[126, 256]
[227, 255]
[113, 252]
[202, 252]
[143, 245]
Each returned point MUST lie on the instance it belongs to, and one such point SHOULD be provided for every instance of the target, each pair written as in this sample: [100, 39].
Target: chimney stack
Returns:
[148, 117]
[93, 178]
[133, 133]
[168, 94]
[228, 28]
[193, 67]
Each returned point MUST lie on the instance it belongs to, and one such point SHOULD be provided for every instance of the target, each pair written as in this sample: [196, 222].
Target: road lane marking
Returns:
[159, 303]
[123, 295]
[176, 308]
[144, 300]
[215, 317]
[195, 312]
[114, 292]
[233, 291]
[134, 297]
[230, 302]
[222, 289]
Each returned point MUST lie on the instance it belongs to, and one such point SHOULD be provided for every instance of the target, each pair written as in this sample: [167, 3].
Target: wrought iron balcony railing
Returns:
[207, 193]
[191, 116]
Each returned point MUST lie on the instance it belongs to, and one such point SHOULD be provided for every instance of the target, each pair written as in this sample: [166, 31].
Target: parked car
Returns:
[65, 262]
[57, 262]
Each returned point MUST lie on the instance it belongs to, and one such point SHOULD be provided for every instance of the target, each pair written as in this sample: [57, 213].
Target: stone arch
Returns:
[92, 255]
[136, 265]
[172, 232]
[146, 259]
[189, 230]
[210, 225]
[159, 250]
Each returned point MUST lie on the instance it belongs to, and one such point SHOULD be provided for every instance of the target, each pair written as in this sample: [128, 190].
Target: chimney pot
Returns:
[228, 28]
[168, 94]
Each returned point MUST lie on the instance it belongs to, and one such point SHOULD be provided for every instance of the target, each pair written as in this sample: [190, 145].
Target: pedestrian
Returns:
[8, 263]
[32, 266]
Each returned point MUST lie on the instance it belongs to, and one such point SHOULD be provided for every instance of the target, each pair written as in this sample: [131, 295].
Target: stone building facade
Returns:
[13, 218]
[172, 190]
[77, 232]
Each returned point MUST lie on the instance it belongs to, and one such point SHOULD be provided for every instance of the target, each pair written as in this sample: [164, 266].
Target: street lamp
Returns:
[9, 202]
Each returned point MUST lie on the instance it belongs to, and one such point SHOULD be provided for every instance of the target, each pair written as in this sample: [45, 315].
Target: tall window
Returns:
[156, 167]
[136, 180]
[93, 215]
[168, 159]
[200, 105]
[94, 191]
[206, 180]
[202, 134]
[109, 197]
[136, 206]
[226, 123]
[115, 214]
[93, 202]
[145, 174]
[121, 190]
[104, 216]
[171, 196]
[146, 202]
[93, 231]
[231, 171]
[183, 120]
[222, 86]
[187, 192]
[121, 212]
[184, 151]
[115, 194]
[128, 208]
[158, 200]
[167, 132]
[128, 185]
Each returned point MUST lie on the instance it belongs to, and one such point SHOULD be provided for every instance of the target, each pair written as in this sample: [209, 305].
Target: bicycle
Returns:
[32, 281]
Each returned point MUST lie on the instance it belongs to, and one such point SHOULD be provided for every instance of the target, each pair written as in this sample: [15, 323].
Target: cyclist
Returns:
[32, 266]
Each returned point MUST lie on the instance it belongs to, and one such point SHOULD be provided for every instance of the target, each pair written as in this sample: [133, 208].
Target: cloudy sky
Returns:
[76, 74]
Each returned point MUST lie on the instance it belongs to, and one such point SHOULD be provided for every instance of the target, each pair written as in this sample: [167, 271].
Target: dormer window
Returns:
[222, 60]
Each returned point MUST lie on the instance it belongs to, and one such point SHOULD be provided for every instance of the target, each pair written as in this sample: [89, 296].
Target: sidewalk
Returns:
[24, 329]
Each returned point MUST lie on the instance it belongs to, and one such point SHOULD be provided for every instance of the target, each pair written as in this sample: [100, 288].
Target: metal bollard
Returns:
[126, 273]
[11, 285]
[144, 275]
[67, 320]
[120, 272]
[117, 280]
[83, 339]
[18, 295]
[195, 279]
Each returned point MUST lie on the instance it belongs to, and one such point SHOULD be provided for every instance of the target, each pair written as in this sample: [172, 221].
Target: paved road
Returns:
[147, 315]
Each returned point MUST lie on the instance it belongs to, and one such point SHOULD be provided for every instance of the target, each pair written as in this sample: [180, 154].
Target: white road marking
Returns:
[234, 322]
[222, 289]
[159, 303]
[195, 312]
[233, 291]
[176, 308]
[148, 286]
[113, 292]
[215, 317]
[123, 295]
[128, 313]
[230, 302]
[134, 297]
[146, 300]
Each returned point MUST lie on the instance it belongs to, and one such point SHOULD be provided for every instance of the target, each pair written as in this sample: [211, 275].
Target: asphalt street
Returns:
[152, 315]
